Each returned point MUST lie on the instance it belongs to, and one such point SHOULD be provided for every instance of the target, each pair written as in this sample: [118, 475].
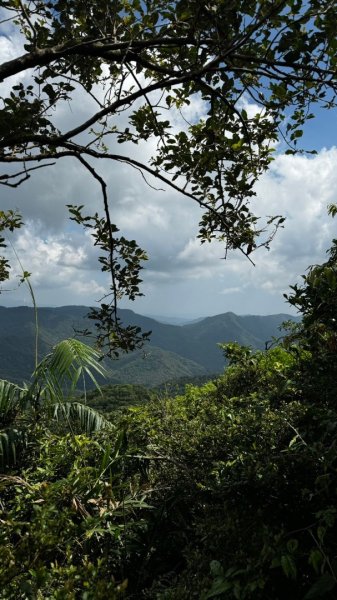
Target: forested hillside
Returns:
[173, 351]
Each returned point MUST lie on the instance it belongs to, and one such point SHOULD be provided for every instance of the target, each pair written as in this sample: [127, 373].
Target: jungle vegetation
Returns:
[225, 491]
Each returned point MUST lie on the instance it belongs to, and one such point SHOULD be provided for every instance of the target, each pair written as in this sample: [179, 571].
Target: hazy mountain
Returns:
[172, 320]
[198, 341]
[174, 352]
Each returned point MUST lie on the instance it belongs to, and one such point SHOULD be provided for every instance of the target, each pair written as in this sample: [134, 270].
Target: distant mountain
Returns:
[198, 341]
[153, 366]
[171, 320]
[174, 352]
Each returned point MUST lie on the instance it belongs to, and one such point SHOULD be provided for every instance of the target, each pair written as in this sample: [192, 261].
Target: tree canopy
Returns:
[138, 61]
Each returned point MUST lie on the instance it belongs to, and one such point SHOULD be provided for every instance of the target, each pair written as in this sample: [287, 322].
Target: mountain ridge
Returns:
[184, 350]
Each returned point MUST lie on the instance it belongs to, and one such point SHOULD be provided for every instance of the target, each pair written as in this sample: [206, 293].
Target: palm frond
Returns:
[54, 382]
[59, 372]
[12, 400]
[10, 440]
[88, 419]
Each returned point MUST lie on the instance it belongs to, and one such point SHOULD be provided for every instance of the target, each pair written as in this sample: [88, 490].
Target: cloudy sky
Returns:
[181, 278]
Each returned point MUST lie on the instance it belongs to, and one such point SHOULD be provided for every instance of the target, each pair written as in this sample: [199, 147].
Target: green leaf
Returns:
[89, 419]
[288, 565]
[292, 545]
[321, 587]
[62, 368]
[316, 559]
[218, 587]
[238, 145]
[332, 210]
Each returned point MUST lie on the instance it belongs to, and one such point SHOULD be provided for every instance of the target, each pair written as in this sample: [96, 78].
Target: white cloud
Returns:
[201, 260]
[232, 290]
[192, 113]
[250, 107]
[60, 267]
[182, 275]
[7, 48]
[88, 288]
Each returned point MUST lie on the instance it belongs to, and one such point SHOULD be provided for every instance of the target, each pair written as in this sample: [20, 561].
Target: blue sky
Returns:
[322, 131]
[181, 277]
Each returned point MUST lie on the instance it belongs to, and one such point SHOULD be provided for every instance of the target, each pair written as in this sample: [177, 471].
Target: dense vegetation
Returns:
[112, 398]
[227, 491]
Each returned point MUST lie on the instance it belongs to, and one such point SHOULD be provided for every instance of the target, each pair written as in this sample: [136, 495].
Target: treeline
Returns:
[226, 491]
[114, 398]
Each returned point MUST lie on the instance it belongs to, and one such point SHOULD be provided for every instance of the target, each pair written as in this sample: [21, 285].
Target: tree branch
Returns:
[5, 177]
[114, 51]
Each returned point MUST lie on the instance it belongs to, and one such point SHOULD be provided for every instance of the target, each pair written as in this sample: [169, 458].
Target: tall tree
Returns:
[150, 56]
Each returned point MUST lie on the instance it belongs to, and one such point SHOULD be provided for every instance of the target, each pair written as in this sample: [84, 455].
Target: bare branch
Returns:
[4, 178]
[103, 185]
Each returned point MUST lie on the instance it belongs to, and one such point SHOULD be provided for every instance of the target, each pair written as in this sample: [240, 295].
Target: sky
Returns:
[181, 278]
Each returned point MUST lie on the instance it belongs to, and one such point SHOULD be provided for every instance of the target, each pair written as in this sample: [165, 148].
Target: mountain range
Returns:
[174, 351]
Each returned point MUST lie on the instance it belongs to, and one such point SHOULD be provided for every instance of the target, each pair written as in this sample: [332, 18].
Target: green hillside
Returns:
[17, 331]
[174, 352]
[153, 366]
[198, 341]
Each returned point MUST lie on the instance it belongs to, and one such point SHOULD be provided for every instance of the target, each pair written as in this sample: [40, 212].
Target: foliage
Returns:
[112, 398]
[265, 372]
[144, 63]
[58, 374]
[63, 520]
[227, 491]
[245, 484]
[316, 299]
[49, 396]
[9, 221]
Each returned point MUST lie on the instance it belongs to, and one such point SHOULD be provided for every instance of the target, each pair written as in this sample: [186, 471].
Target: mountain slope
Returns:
[198, 341]
[173, 352]
[152, 367]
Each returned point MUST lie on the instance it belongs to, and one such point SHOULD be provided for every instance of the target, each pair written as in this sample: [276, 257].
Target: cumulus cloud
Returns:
[183, 275]
[61, 267]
